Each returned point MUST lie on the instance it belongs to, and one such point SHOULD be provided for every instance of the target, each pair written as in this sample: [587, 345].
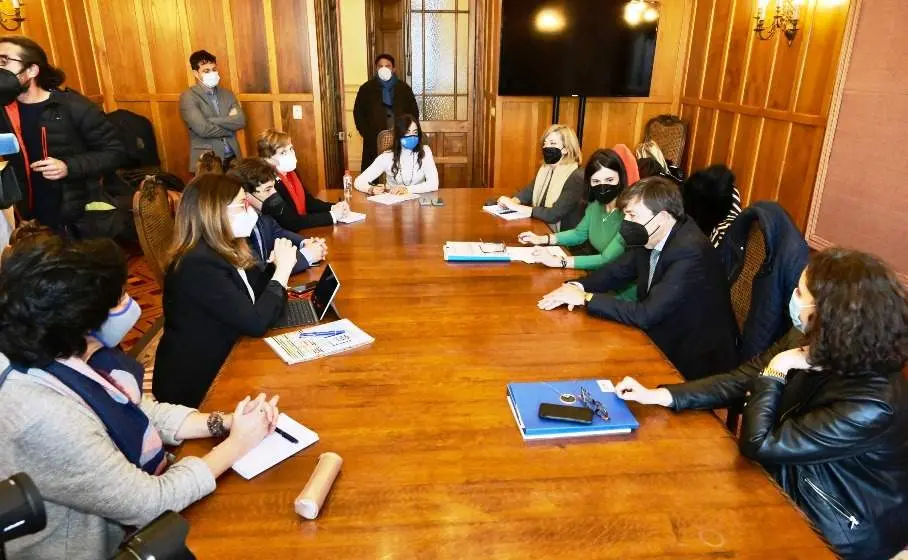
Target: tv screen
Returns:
[575, 47]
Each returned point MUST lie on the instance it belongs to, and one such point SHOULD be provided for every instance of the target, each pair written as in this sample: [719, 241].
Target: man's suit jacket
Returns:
[270, 231]
[207, 127]
[687, 309]
[206, 309]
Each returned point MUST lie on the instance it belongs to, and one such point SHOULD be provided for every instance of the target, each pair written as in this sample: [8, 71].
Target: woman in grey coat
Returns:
[72, 415]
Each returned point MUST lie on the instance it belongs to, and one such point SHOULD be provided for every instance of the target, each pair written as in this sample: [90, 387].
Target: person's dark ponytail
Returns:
[49, 77]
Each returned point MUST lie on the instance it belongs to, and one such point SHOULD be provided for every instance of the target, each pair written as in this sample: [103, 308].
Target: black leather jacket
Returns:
[836, 444]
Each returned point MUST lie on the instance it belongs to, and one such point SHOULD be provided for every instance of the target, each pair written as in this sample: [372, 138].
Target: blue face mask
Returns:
[409, 142]
[794, 310]
[119, 322]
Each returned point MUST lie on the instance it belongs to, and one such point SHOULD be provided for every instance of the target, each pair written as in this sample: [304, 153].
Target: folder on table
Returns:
[470, 251]
[525, 398]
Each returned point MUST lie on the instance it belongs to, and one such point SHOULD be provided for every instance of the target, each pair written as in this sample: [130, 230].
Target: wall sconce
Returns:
[640, 11]
[788, 13]
[13, 21]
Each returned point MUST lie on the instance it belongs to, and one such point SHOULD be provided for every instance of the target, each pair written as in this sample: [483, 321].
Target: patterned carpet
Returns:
[142, 286]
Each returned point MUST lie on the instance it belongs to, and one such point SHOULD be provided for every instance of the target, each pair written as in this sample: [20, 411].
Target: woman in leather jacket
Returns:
[827, 406]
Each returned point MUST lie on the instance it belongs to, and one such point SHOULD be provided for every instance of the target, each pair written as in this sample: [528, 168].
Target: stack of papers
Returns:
[318, 342]
[532, 255]
[471, 251]
[505, 213]
[388, 199]
[275, 448]
[352, 218]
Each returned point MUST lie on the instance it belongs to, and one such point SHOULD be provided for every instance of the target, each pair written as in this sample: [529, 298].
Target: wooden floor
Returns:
[434, 464]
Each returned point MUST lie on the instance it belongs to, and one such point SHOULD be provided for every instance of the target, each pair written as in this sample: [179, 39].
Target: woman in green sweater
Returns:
[607, 174]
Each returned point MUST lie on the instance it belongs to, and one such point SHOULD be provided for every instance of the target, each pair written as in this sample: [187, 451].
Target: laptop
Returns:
[300, 312]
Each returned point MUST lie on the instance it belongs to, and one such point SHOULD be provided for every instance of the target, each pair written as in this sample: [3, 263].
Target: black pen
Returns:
[286, 436]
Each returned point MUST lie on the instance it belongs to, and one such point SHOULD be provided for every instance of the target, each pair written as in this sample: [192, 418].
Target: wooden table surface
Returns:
[434, 466]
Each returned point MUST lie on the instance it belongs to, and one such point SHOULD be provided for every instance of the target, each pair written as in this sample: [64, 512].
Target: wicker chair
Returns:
[741, 292]
[385, 140]
[670, 133]
[154, 225]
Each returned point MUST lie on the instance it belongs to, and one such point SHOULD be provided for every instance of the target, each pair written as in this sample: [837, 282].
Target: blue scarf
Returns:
[387, 90]
[126, 423]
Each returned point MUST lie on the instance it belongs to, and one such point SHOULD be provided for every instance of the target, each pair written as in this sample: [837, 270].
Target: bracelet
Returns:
[588, 297]
[774, 374]
[216, 425]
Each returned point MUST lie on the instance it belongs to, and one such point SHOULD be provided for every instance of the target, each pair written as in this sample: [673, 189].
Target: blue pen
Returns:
[321, 333]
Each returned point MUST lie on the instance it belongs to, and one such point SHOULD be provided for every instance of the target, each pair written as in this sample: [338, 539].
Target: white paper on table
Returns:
[275, 448]
[389, 199]
[352, 218]
[505, 213]
[530, 255]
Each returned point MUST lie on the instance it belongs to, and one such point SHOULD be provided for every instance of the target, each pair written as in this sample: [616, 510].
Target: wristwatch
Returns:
[774, 374]
[563, 262]
[588, 297]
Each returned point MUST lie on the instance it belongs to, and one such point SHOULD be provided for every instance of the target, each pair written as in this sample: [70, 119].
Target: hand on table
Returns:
[377, 189]
[340, 210]
[253, 420]
[400, 190]
[629, 389]
[548, 259]
[567, 294]
[530, 238]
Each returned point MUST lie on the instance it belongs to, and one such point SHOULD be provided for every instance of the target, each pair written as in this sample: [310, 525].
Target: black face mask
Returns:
[604, 194]
[274, 205]
[551, 155]
[10, 87]
[634, 234]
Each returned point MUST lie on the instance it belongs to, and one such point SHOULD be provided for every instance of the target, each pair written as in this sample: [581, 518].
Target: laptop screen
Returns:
[325, 292]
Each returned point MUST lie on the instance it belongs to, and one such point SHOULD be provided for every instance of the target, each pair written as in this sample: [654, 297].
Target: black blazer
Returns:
[369, 113]
[206, 309]
[318, 212]
[262, 244]
[687, 311]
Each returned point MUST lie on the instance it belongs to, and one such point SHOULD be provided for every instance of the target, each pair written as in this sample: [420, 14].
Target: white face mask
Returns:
[286, 163]
[118, 323]
[211, 79]
[384, 73]
[243, 224]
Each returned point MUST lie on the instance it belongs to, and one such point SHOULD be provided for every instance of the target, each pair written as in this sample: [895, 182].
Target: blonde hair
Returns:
[569, 139]
[270, 141]
[203, 215]
[209, 162]
[649, 149]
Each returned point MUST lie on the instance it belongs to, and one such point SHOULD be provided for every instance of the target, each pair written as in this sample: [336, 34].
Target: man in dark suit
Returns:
[683, 301]
[379, 102]
[258, 178]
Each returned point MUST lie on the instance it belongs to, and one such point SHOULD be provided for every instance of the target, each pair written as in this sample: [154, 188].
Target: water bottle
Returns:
[348, 186]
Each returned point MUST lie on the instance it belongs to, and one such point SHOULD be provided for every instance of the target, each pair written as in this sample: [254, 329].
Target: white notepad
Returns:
[505, 213]
[389, 199]
[275, 448]
[352, 218]
[526, 254]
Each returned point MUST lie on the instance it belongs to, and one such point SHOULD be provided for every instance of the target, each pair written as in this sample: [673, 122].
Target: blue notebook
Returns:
[525, 398]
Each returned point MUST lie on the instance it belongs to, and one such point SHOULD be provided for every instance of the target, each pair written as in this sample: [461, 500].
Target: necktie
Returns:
[653, 261]
[261, 246]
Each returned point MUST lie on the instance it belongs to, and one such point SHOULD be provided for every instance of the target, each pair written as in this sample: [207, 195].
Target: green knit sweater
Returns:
[600, 228]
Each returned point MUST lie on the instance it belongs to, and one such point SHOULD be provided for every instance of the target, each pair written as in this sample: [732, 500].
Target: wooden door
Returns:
[386, 30]
[329, 54]
[440, 54]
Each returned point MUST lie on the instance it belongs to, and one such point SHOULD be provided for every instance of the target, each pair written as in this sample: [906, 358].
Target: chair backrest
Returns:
[154, 224]
[385, 140]
[742, 289]
[670, 133]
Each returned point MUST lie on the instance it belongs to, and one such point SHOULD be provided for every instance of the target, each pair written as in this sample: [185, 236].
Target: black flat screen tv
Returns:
[574, 47]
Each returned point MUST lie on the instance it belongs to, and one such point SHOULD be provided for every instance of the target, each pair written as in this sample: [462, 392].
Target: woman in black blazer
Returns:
[213, 290]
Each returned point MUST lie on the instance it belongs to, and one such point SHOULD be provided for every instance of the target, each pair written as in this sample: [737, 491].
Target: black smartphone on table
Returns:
[577, 414]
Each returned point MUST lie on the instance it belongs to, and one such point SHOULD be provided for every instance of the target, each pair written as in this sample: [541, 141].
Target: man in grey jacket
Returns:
[212, 113]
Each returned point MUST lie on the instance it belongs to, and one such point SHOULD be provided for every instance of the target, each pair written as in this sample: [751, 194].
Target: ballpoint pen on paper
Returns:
[321, 333]
[286, 436]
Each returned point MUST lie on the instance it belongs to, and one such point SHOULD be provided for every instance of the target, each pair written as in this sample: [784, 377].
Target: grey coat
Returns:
[209, 128]
[90, 490]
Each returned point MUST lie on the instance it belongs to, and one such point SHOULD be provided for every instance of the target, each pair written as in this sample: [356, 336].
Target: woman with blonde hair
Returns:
[213, 291]
[555, 195]
[649, 149]
[292, 205]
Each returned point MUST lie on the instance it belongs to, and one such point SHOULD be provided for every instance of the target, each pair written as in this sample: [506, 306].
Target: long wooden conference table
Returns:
[434, 465]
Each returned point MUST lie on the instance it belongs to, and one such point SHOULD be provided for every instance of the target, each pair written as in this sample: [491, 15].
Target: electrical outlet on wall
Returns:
[298, 112]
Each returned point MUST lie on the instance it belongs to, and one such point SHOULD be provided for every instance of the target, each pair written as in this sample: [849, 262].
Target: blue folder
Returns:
[453, 255]
[525, 398]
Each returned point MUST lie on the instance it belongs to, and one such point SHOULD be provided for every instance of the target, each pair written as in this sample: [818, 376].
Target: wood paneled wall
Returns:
[62, 28]
[266, 55]
[761, 106]
[520, 121]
